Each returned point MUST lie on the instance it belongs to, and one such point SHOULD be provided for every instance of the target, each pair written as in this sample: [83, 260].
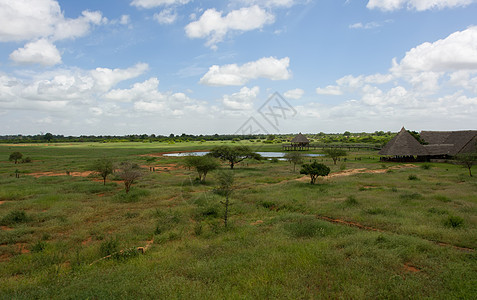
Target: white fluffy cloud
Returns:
[329, 90]
[106, 78]
[419, 5]
[156, 3]
[458, 51]
[166, 16]
[294, 94]
[30, 19]
[40, 52]
[270, 3]
[213, 26]
[267, 67]
[41, 22]
[143, 90]
[242, 100]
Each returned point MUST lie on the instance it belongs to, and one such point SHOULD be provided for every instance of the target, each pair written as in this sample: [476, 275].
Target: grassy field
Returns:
[370, 230]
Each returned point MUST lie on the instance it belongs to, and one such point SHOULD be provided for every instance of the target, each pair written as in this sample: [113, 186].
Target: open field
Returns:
[370, 230]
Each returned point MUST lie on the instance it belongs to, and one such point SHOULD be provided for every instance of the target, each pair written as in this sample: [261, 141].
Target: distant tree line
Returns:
[378, 137]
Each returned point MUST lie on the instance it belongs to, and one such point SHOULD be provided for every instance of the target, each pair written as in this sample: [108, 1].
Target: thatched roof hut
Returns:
[403, 144]
[300, 139]
[450, 142]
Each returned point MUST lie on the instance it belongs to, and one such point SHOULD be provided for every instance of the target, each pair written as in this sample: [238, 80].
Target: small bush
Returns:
[125, 254]
[108, 247]
[410, 196]
[305, 228]
[454, 222]
[26, 160]
[426, 166]
[343, 167]
[442, 198]
[413, 177]
[38, 247]
[14, 217]
[351, 201]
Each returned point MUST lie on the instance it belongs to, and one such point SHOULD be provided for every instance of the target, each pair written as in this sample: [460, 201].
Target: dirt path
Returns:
[355, 171]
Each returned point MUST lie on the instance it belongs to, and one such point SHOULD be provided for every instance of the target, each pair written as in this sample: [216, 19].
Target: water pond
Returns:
[264, 154]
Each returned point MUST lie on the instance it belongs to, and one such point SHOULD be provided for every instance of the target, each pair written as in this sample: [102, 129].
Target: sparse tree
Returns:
[233, 155]
[315, 169]
[48, 136]
[103, 167]
[225, 189]
[295, 158]
[334, 153]
[467, 160]
[15, 156]
[202, 164]
[129, 173]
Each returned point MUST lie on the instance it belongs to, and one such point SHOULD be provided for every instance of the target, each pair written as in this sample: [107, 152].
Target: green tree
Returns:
[467, 160]
[295, 158]
[129, 172]
[233, 155]
[48, 136]
[15, 156]
[202, 164]
[314, 170]
[225, 189]
[334, 153]
[103, 167]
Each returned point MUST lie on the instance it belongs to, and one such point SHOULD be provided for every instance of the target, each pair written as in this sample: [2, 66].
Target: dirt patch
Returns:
[258, 222]
[349, 223]
[412, 269]
[6, 228]
[1, 202]
[74, 174]
[22, 248]
[87, 241]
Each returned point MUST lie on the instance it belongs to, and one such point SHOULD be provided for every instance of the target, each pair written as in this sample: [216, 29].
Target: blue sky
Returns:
[204, 67]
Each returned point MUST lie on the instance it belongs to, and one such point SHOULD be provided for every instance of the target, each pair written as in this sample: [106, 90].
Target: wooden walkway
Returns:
[288, 147]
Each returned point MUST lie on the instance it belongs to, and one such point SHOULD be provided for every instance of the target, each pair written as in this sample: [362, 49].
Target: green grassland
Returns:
[397, 232]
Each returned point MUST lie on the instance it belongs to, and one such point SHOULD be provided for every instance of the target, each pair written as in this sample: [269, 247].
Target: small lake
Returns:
[264, 154]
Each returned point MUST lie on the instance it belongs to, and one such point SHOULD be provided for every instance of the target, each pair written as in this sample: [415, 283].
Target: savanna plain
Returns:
[369, 230]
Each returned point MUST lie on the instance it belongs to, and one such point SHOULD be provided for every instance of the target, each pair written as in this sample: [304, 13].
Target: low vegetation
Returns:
[365, 232]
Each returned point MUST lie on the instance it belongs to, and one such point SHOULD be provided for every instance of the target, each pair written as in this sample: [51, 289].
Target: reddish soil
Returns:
[410, 268]
[162, 167]
[22, 248]
[75, 174]
[349, 223]
[257, 222]
[1, 202]
[87, 241]
[6, 228]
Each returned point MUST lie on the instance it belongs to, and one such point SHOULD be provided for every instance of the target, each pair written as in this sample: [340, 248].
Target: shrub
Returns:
[38, 247]
[15, 216]
[108, 247]
[305, 228]
[274, 160]
[413, 177]
[442, 198]
[26, 160]
[454, 222]
[351, 201]
[425, 166]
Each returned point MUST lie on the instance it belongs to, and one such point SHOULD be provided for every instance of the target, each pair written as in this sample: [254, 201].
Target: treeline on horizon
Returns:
[378, 137]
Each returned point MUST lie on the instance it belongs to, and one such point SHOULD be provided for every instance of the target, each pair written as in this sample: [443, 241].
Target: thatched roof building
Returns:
[403, 144]
[300, 139]
[437, 144]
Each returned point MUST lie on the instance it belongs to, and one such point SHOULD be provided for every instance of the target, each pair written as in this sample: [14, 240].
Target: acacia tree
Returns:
[15, 156]
[129, 172]
[467, 160]
[225, 189]
[233, 155]
[103, 167]
[334, 153]
[314, 170]
[202, 164]
[295, 158]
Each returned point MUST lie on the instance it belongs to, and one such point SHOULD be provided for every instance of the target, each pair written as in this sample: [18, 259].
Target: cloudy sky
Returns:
[203, 67]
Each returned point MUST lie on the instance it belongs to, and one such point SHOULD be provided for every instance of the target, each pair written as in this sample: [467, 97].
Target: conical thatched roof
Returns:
[450, 142]
[403, 144]
[300, 138]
